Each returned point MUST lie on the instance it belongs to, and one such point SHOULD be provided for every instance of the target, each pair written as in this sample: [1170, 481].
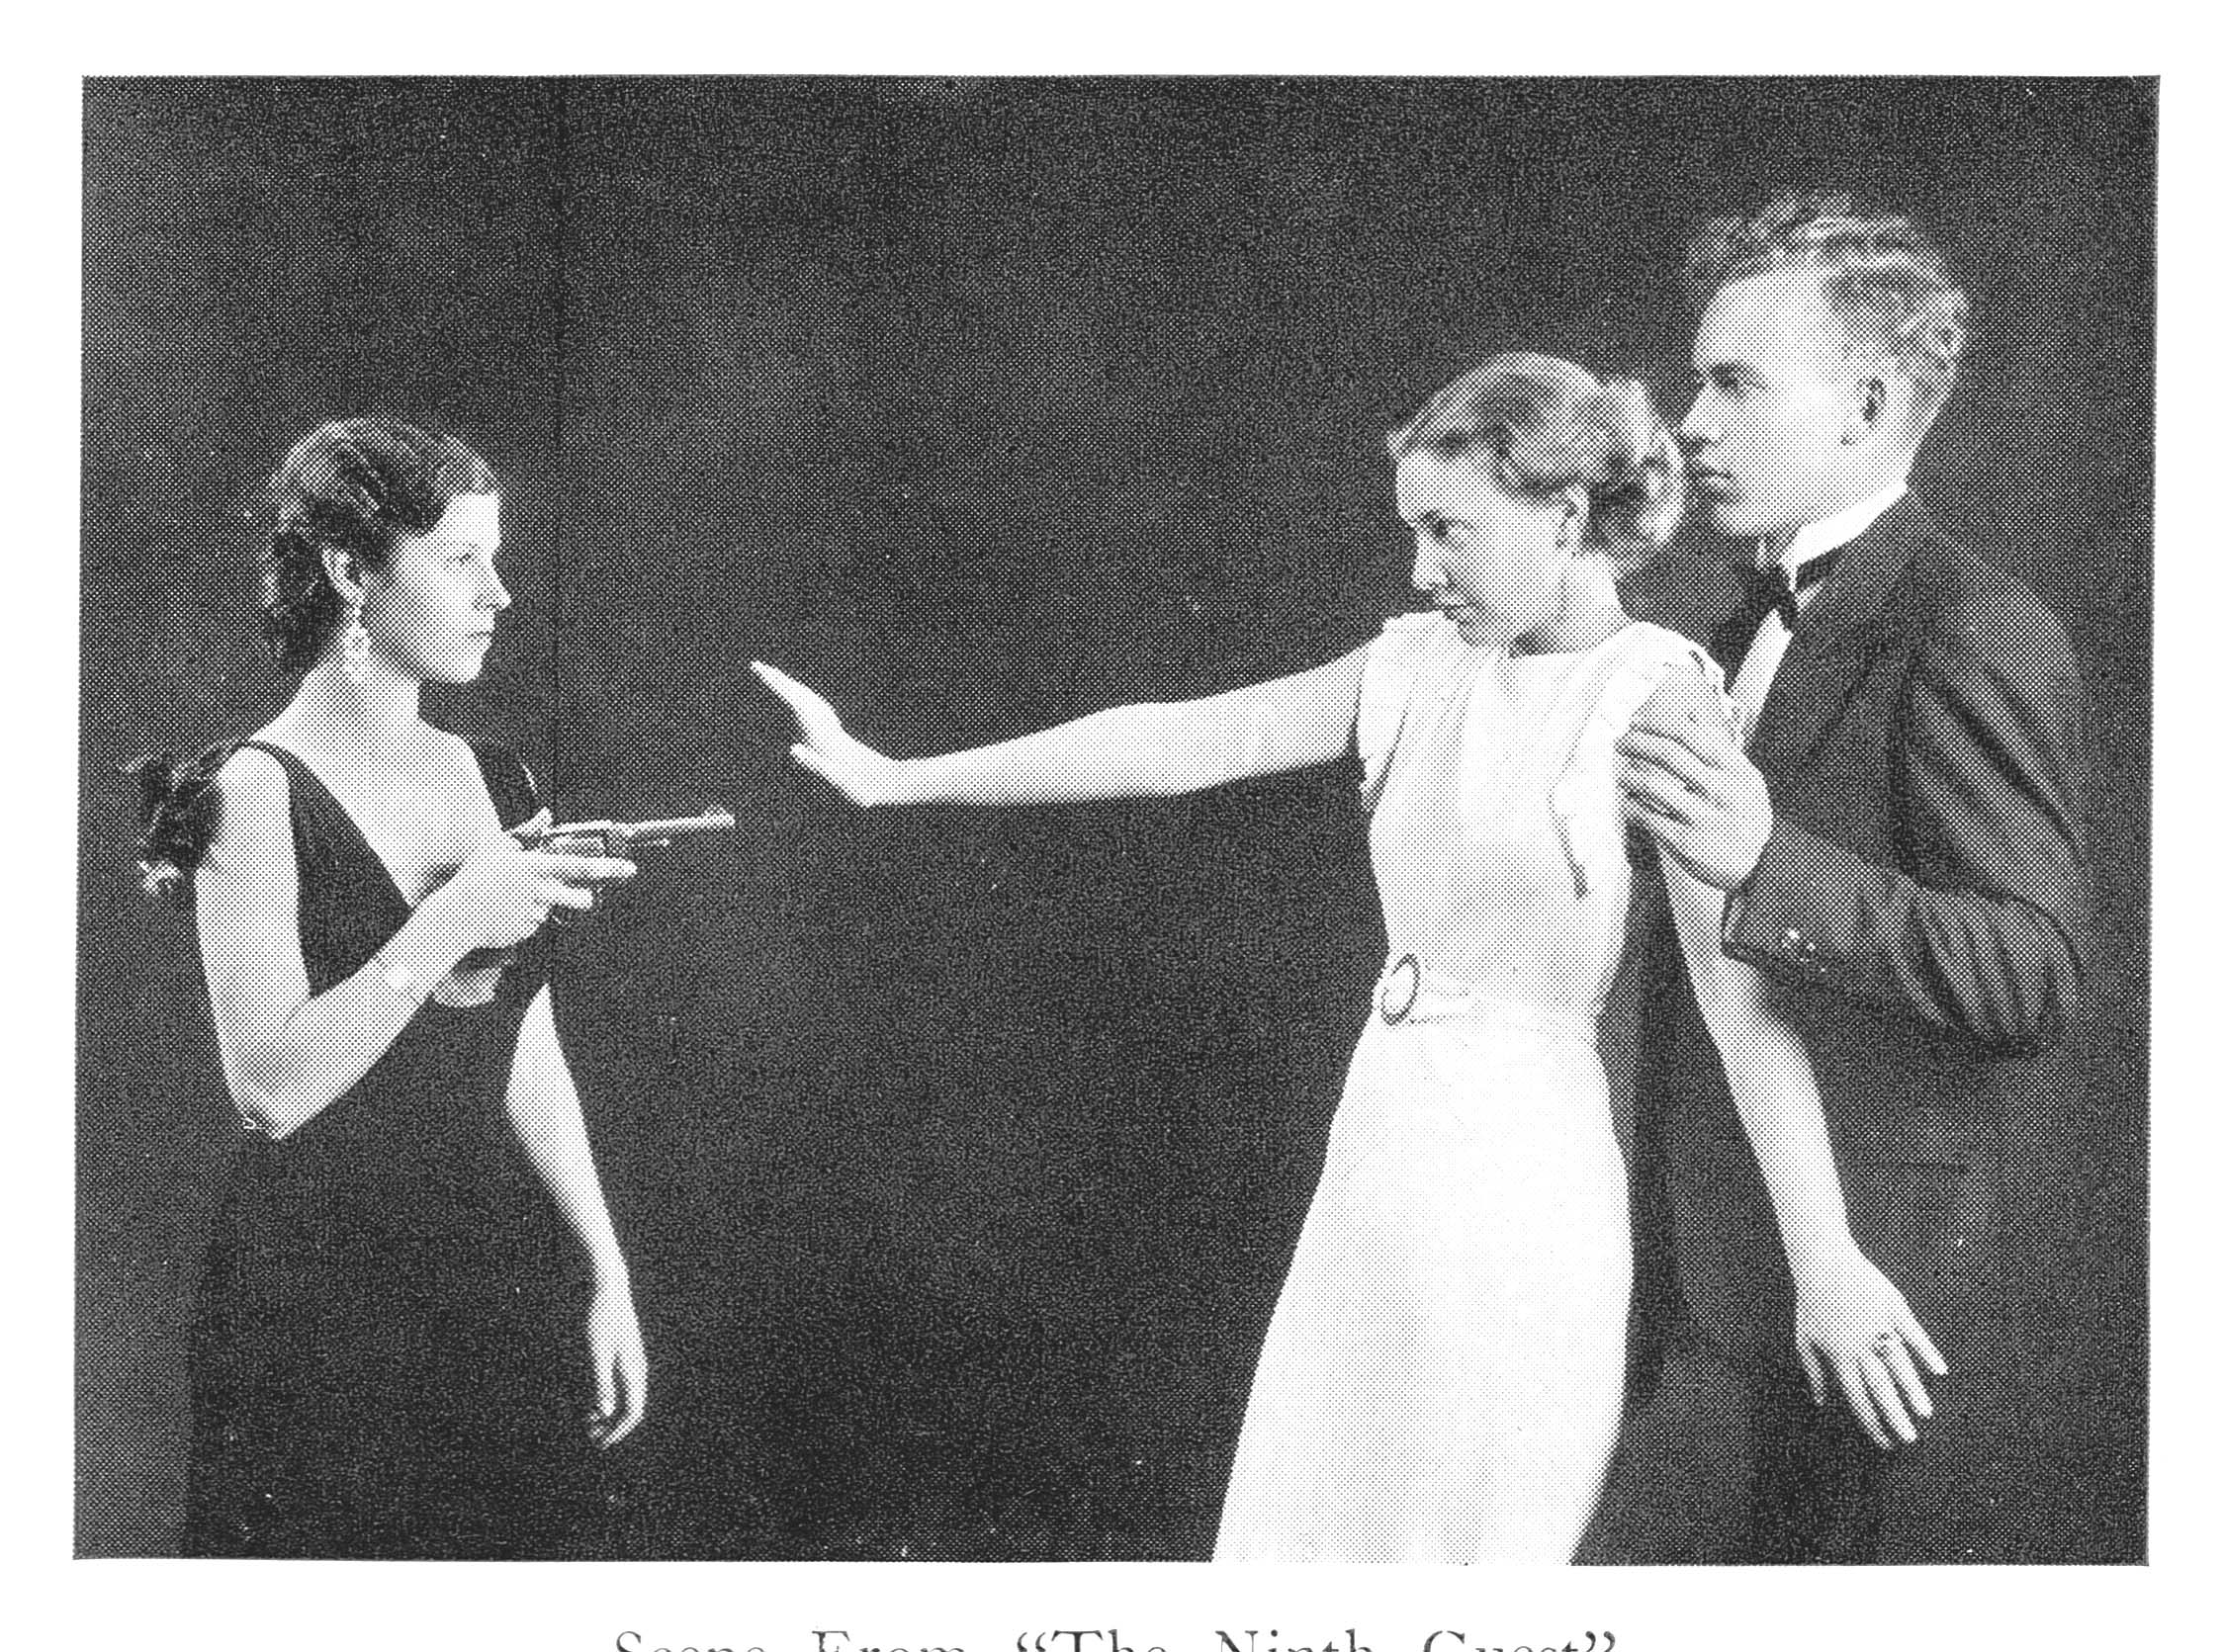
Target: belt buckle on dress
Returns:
[1411, 989]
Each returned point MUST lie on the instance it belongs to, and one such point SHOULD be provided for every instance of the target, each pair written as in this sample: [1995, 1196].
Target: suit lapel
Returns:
[1830, 649]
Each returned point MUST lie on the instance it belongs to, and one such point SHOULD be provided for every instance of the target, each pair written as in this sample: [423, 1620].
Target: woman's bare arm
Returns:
[1139, 751]
[1851, 1319]
[544, 1112]
[287, 1054]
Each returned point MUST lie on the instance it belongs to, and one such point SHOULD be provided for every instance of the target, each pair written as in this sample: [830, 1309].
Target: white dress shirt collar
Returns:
[1831, 532]
[1771, 642]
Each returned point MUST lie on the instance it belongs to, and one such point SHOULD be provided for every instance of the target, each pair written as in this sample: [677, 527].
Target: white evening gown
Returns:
[1442, 1380]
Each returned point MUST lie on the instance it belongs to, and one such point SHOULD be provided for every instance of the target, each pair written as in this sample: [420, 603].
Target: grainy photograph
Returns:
[1116, 820]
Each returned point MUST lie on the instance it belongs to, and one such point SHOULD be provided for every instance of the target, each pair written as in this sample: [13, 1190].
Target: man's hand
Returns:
[1685, 779]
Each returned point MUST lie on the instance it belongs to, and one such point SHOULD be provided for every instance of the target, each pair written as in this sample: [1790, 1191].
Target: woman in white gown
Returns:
[1442, 1380]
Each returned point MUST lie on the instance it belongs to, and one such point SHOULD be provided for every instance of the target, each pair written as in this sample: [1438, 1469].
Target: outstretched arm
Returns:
[1852, 1322]
[1144, 751]
[544, 1112]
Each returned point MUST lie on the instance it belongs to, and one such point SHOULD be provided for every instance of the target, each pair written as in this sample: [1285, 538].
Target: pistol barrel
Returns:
[662, 831]
[619, 836]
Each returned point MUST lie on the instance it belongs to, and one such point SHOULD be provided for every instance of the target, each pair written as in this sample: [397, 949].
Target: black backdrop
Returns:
[960, 1153]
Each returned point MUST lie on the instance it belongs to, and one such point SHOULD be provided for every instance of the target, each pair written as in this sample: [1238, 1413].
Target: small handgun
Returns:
[476, 977]
[620, 837]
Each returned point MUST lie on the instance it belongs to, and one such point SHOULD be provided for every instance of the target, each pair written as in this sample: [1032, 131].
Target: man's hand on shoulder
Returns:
[1685, 779]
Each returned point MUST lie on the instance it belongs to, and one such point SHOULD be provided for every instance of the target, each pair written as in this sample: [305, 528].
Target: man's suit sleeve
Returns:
[1980, 931]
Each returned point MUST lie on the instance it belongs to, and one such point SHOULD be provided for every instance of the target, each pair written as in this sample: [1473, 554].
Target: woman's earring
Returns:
[354, 648]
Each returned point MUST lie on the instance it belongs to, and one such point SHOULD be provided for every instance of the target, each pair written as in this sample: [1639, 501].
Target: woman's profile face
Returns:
[1487, 558]
[431, 611]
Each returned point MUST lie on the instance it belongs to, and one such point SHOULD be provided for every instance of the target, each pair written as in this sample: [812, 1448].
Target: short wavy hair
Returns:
[1547, 423]
[354, 485]
[1891, 287]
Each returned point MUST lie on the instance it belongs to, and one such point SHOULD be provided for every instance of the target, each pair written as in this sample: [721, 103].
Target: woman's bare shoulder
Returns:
[253, 791]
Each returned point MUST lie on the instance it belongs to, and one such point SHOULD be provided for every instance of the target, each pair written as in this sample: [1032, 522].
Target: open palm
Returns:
[827, 749]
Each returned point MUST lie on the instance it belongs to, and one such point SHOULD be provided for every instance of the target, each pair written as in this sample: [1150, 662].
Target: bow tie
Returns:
[1766, 590]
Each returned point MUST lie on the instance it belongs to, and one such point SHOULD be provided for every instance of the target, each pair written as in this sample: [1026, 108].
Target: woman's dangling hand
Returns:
[852, 768]
[619, 1356]
[1854, 1323]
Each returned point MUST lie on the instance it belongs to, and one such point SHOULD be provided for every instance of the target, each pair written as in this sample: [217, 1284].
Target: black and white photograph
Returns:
[1314, 820]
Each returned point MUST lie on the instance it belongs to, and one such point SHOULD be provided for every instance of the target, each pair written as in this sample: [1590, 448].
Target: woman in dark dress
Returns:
[386, 1354]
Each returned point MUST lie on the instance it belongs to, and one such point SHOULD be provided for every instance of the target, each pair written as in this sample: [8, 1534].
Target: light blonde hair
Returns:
[1549, 424]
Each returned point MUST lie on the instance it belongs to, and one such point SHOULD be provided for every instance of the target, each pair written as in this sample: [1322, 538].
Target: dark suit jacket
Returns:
[1919, 912]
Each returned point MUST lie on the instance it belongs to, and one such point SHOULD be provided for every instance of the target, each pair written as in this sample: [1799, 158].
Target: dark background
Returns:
[960, 1153]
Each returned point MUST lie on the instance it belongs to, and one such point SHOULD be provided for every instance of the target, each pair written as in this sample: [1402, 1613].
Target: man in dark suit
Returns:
[1902, 852]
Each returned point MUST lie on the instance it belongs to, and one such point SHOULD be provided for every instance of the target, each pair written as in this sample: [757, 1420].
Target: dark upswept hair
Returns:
[1893, 291]
[1546, 424]
[354, 485]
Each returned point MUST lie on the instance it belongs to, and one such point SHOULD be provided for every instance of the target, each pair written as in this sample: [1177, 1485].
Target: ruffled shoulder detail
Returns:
[1585, 801]
[1396, 664]
[1644, 656]
[180, 810]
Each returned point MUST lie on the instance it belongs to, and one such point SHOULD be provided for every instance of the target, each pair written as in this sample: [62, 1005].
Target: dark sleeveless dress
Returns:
[388, 1354]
